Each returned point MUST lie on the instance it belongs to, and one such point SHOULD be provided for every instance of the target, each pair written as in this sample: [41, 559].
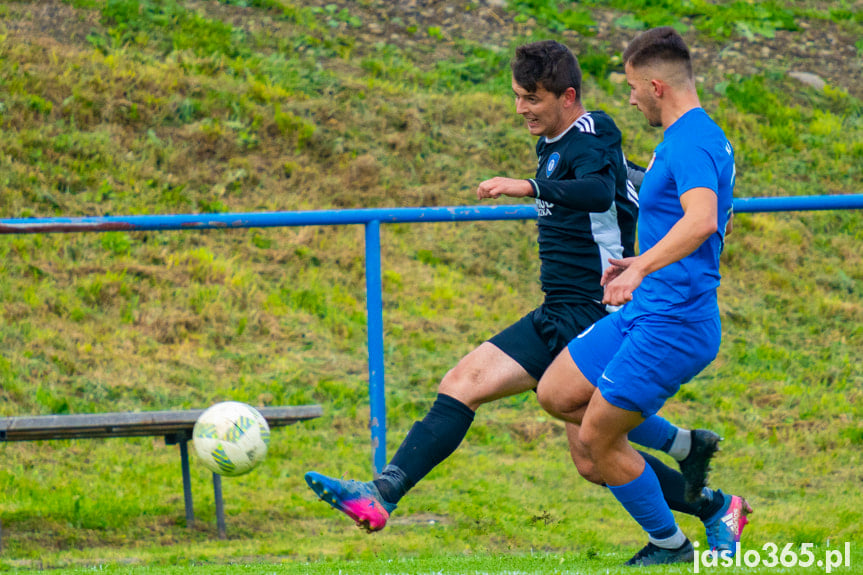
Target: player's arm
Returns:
[592, 192]
[635, 173]
[497, 187]
[699, 222]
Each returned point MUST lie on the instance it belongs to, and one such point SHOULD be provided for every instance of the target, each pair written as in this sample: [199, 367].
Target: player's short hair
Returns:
[548, 63]
[658, 45]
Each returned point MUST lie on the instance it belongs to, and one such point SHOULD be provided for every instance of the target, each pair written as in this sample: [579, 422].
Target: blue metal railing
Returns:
[371, 218]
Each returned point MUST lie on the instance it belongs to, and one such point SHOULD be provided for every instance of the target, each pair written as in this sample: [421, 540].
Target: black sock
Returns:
[392, 484]
[429, 442]
[713, 505]
[672, 484]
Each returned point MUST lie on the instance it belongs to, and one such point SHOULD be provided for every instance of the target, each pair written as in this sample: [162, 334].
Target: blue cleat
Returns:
[725, 527]
[362, 502]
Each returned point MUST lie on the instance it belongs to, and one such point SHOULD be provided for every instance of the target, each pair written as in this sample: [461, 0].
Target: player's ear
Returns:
[570, 96]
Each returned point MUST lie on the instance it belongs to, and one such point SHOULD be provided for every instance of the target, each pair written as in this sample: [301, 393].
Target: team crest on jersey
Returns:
[552, 163]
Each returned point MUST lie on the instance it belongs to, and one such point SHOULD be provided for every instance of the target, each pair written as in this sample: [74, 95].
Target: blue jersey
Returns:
[694, 154]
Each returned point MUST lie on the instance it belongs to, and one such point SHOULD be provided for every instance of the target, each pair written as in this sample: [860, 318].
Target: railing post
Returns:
[375, 323]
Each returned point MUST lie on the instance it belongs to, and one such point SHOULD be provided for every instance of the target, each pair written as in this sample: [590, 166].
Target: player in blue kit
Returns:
[587, 209]
[669, 328]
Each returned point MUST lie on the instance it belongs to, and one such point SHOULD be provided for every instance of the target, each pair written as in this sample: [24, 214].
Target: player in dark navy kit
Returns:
[668, 329]
[587, 210]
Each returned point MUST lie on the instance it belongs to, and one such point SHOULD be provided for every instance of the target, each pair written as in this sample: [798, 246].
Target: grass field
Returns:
[503, 564]
[168, 106]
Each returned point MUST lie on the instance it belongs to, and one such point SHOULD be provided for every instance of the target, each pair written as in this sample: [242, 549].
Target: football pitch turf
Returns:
[513, 564]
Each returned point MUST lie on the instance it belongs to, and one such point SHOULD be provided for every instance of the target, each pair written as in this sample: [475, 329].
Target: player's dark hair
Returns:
[662, 44]
[548, 63]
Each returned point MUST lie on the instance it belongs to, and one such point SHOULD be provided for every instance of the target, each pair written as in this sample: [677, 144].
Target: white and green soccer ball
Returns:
[231, 438]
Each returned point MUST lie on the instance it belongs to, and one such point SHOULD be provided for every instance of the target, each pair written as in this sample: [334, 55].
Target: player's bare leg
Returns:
[485, 375]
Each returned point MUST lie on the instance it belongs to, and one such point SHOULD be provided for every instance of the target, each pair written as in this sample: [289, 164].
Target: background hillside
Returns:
[162, 106]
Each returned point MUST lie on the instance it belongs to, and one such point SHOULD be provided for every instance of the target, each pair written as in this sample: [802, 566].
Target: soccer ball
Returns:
[231, 438]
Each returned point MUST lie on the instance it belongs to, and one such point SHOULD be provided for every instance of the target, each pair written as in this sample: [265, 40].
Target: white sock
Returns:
[681, 445]
[673, 542]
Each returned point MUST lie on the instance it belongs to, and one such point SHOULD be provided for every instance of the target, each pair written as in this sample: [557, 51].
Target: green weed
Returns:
[714, 19]
[172, 27]
[550, 15]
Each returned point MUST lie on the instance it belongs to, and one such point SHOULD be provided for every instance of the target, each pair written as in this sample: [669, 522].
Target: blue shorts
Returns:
[637, 363]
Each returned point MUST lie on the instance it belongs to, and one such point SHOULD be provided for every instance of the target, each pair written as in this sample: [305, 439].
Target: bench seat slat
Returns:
[130, 424]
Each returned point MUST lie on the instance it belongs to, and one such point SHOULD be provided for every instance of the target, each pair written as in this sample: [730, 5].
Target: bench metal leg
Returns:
[187, 483]
[220, 506]
[182, 439]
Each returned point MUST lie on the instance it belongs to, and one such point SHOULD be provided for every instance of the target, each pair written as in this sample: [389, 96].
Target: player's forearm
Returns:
[682, 239]
[593, 193]
[496, 187]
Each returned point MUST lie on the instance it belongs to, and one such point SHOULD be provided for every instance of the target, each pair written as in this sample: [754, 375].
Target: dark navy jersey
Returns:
[586, 205]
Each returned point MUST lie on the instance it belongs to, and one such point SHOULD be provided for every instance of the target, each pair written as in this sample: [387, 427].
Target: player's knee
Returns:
[586, 468]
[590, 473]
[593, 440]
[450, 384]
[459, 384]
[555, 402]
[547, 399]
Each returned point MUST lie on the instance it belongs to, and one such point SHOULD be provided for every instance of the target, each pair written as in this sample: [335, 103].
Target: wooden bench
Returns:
[175, 426]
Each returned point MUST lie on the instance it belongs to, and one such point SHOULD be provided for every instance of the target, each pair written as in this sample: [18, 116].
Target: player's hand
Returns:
[615, 269]
[497, 187]
[620, 281]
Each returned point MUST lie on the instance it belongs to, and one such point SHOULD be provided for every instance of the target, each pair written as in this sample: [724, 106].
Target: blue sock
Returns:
[654, 432]
[642, 498]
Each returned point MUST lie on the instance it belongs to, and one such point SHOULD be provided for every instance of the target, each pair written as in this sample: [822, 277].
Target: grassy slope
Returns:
[277, 106]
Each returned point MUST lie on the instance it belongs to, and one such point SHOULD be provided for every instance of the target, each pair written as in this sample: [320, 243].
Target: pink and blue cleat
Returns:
[725, 527]
[362, 502]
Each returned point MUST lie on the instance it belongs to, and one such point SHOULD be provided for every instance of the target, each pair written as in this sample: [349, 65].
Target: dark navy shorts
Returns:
[638, 363]
[536, 339]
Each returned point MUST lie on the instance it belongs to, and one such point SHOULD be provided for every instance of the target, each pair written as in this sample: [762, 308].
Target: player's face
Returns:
[542, 110]
[641, 95]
